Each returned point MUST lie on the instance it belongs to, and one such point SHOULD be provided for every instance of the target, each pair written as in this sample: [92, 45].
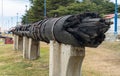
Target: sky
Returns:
[114, 1]
[10, 10]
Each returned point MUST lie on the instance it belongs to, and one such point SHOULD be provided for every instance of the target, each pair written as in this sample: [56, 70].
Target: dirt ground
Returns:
[101, 61]
[104, 60]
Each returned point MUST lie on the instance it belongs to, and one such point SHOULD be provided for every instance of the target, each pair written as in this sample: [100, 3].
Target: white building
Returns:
[110, 33]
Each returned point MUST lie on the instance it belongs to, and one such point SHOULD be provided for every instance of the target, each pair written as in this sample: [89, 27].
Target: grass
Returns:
[12, 63]
[115, 46]
[102, 61]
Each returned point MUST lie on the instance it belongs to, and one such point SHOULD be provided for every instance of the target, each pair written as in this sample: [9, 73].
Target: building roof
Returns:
[109, 16]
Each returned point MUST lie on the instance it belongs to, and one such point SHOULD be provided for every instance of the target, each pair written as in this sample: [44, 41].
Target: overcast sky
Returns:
[10, 10]
[12, 7]
[114, 1]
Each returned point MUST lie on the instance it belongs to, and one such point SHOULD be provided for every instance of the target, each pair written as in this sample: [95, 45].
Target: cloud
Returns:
[11, 7]
[10, 10]
[114, 1]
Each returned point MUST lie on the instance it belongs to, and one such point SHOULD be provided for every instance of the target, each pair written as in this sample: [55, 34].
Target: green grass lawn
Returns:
[12, 63]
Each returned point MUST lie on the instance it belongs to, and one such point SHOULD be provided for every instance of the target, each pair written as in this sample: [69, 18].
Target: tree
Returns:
[36, 12]
[66, 7]
[106, 5]
[76, 8]
[53, 5]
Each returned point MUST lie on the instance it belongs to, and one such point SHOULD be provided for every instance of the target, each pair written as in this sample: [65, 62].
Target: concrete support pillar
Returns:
[55, 59]
[65, 60]
[71, 60]
[25, 47]
[20, 43]
[30, 47]
[15, 42]
[33, 50]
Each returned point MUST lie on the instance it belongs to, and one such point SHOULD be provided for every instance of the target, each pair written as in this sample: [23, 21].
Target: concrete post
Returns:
[15, 42]
[20, 43]
[55, 59]
[71, 60]
[65, 60]
[25, 47]
[33, 49]
[30, 47]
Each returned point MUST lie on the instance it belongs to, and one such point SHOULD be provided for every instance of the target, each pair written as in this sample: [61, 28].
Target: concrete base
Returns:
[15, 42]
[30, 48]
[25, 47]
[65, 60]
[20, 43]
